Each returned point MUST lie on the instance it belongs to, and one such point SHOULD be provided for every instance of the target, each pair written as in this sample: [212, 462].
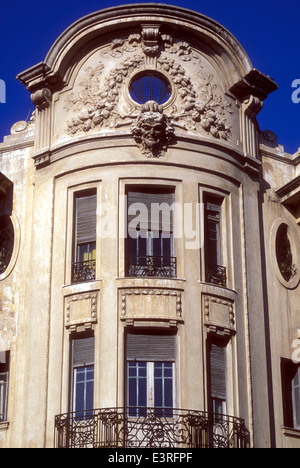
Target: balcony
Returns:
[149, 428]
[216, 274]
[83, 271]
[149, 266]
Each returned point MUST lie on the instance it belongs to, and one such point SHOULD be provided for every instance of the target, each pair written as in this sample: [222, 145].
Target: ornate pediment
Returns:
[101, 98]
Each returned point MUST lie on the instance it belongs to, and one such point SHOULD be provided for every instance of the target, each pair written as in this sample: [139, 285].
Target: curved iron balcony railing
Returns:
[146, 265]
[215, 274]
[83, 271]
[149, 428]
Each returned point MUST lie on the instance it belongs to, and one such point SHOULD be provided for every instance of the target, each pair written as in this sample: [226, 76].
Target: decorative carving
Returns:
[152, 130]
[151, 304]
[42, 98]
[81, 310]
[219, 315]
[206, 109]
[202, 109]
[151, 36]
[97, 104]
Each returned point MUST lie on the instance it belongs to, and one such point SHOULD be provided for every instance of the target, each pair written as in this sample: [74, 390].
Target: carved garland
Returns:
[97, 104]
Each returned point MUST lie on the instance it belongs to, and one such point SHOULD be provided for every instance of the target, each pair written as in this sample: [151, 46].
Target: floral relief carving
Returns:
[199, 106]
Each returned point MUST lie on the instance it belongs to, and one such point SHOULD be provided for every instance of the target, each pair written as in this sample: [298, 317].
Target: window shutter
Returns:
[83, 351]
[218, 371]
[156, 213]
[86, 207]
[150, 348]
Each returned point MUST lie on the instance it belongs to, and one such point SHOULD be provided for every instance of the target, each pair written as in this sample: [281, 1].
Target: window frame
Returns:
[90, 264]
[5, 374]
[133, 244]
[84, 412]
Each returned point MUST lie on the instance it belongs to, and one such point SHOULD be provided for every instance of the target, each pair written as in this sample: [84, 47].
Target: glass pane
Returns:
[137, 386]
[150, 87]
[163, 386]
[83, 390]
[157, 246]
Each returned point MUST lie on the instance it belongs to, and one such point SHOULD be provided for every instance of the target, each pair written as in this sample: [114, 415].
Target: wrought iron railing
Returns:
[152, 428]
[216, 274]
[145, 265]
[84, 271]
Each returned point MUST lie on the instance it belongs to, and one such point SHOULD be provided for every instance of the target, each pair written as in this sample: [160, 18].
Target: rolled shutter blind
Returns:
[150, 348]
[83, 351]
[218, 371]
[86, 207]
[155, 211]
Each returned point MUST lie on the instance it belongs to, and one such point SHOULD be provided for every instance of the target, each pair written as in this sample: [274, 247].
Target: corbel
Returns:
[42, 98]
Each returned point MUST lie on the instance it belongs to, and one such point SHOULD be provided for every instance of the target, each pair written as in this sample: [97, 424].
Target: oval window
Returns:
[6, 242]
[284, 253]
[150, 86]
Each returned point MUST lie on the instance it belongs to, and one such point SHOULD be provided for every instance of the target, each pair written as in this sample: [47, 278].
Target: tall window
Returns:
[214, 271]
[150, 373]
[84, 264]
[4, 381]
[217, 376]
[82, 376]
[290, 374]
[149, 249]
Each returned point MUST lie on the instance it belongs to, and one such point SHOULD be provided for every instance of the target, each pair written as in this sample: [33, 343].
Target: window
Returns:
[217, 376]
[150, 374]
[4, 381]
[284, 253]
[82, 376]
[290, 375]
[149, 249]
[150, 86]
[6, 242]
[215, 273]
[84, 263]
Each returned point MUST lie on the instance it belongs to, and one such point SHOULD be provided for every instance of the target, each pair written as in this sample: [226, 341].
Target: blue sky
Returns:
[268, 30]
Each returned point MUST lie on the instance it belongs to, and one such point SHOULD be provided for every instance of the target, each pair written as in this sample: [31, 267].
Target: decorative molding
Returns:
[151, 305]
[152, 130]
[219, 315]
[201, 109]
[81, 311]
[42, 98]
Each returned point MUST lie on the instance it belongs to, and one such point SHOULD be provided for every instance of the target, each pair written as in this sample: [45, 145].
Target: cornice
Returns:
[200, 28]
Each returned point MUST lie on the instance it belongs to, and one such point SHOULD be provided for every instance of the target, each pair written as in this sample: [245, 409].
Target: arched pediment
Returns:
[89, 72]
[206, 34]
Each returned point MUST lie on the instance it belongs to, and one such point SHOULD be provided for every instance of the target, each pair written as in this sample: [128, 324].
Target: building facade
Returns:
[149, 242]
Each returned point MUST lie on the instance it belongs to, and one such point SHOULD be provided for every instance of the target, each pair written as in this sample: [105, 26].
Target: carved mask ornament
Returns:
[152, 130]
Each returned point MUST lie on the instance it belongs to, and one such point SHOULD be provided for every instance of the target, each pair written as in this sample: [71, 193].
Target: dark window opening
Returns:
[215, 273]
[217, 376]
[82, 376]
[290, 379]
[4, 383]
[149, 246]
[150, 367]
[284, 253]
[85, 219]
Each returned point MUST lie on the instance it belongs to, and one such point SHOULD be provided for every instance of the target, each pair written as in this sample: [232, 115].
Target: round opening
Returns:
[150, 86]
[284, 253]
[6, 242]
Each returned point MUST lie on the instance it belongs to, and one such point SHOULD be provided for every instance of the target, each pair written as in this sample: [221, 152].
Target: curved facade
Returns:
[156, 243]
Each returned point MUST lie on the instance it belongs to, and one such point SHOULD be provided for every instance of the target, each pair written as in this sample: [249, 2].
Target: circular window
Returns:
[6, 242]
[150, 86]
[284, 253]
